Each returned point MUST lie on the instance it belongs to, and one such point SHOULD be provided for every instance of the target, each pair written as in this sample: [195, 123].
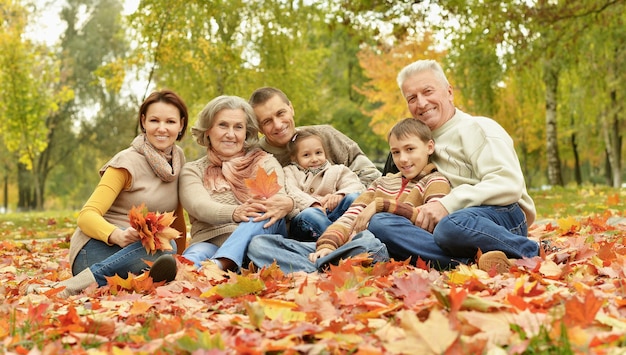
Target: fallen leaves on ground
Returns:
[570, 299]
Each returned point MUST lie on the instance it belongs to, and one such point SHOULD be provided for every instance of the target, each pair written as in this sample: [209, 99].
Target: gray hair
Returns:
[224, 102]
[420, 66]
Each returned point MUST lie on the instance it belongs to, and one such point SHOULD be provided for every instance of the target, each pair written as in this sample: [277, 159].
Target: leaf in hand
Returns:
[154, 228]
[263, 185]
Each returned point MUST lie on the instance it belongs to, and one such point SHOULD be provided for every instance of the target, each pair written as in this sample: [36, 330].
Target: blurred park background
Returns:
[550, 71]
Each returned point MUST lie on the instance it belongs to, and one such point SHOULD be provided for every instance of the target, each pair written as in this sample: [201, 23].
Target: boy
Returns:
[417, 182]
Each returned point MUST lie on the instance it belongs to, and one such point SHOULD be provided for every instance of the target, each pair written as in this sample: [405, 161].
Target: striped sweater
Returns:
[391, 193]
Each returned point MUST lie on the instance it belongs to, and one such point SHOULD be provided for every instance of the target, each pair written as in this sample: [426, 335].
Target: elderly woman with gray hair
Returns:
[224, 214]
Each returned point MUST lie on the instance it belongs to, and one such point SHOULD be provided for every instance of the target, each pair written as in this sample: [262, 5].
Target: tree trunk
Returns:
[551, 80]
[25, 201]
[577, 173]
[615, 142]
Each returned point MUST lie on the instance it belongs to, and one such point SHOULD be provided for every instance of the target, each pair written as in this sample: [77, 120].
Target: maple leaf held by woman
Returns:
[153, 227]
[264, 185]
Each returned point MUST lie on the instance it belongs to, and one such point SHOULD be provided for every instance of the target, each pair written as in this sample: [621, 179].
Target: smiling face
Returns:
[310, 153]
[276, 121]
[228, 133]
[162, 124]
[410, 154]
[428, 98]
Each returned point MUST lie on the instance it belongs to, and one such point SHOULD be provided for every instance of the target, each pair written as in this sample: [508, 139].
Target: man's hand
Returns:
[273, 208]
[429, 215]
[124, 237]
[319, 254]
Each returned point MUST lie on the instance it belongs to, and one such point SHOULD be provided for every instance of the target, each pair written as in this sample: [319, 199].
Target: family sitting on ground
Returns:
[452, 191]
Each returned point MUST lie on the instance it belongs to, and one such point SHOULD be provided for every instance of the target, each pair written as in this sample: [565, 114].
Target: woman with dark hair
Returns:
[104, 244]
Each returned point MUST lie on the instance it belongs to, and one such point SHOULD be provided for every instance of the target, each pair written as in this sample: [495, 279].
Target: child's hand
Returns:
[363, 219]
[331, 201]
[319, 254]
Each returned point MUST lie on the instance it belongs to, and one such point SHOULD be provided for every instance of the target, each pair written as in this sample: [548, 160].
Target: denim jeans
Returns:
[311, 222]
[108, 260]
[458, 236]
[292, 255]
[236, 246]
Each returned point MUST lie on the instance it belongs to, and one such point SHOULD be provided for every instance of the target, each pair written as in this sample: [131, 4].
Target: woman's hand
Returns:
[273, 208]
[319, 254]
[124, 237]
[363, 219]
[244, 212]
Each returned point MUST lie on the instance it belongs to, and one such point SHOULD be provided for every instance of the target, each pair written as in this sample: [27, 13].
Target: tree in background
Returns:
[544, 35]
[30, 96]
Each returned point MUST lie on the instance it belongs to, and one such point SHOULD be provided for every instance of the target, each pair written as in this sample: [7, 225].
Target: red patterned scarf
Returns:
[229, 174]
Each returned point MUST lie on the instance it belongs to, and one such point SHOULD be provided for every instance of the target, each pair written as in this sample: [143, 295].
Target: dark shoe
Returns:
[547, 246]
[164, 269]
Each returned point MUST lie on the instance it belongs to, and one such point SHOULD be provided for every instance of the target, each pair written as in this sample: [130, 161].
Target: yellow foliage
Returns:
[381, 65]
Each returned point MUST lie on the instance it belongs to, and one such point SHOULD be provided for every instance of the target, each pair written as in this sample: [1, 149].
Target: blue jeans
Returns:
[236, 246]
[458, 236]
[311, 222]
[292, 255]
[108, 260]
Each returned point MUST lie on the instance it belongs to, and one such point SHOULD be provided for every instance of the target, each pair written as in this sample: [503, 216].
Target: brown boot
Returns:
[494, 259]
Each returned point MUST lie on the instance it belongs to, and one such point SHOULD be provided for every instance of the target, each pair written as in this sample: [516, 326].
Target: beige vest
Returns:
[146, 187]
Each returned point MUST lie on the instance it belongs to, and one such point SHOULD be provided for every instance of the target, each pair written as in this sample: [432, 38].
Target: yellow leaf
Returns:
[140, 307]
[568, 224]
[284, 310]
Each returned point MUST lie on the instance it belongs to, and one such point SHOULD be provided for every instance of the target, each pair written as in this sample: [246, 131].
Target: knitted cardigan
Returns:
[391, 193]
[211, 213]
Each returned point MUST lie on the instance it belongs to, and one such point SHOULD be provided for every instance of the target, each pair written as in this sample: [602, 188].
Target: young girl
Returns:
[322, 191]
[417, 183]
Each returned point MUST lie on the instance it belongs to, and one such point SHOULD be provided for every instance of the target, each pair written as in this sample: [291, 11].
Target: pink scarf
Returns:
[223, 175]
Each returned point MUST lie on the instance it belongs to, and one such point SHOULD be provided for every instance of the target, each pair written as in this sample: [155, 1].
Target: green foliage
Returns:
[336, 60]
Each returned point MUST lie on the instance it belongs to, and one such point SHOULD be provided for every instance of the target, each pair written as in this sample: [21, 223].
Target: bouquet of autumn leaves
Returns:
[153, 227]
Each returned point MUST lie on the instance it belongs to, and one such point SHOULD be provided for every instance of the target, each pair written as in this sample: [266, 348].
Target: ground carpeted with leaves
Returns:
[569, 300]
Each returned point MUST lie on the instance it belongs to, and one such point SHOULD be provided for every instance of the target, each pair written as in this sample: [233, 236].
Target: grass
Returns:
[562, 202]
[37, 225]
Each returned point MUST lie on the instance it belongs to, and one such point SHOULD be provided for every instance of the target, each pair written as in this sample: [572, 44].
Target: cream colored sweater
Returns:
[478, 157]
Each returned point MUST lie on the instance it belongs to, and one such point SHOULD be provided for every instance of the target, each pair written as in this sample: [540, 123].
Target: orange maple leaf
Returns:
[263, 185]
[154, 228]
[582, 312]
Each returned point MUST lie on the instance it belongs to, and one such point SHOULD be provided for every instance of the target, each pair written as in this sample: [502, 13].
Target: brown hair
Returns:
[262, 95]
[302, 133]
[411, 127]
[169, 97]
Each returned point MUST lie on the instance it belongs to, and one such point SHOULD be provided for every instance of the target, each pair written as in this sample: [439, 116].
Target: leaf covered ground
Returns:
[569, 300]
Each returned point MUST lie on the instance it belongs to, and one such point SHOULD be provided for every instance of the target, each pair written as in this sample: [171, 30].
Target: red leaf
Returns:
[263, 185]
